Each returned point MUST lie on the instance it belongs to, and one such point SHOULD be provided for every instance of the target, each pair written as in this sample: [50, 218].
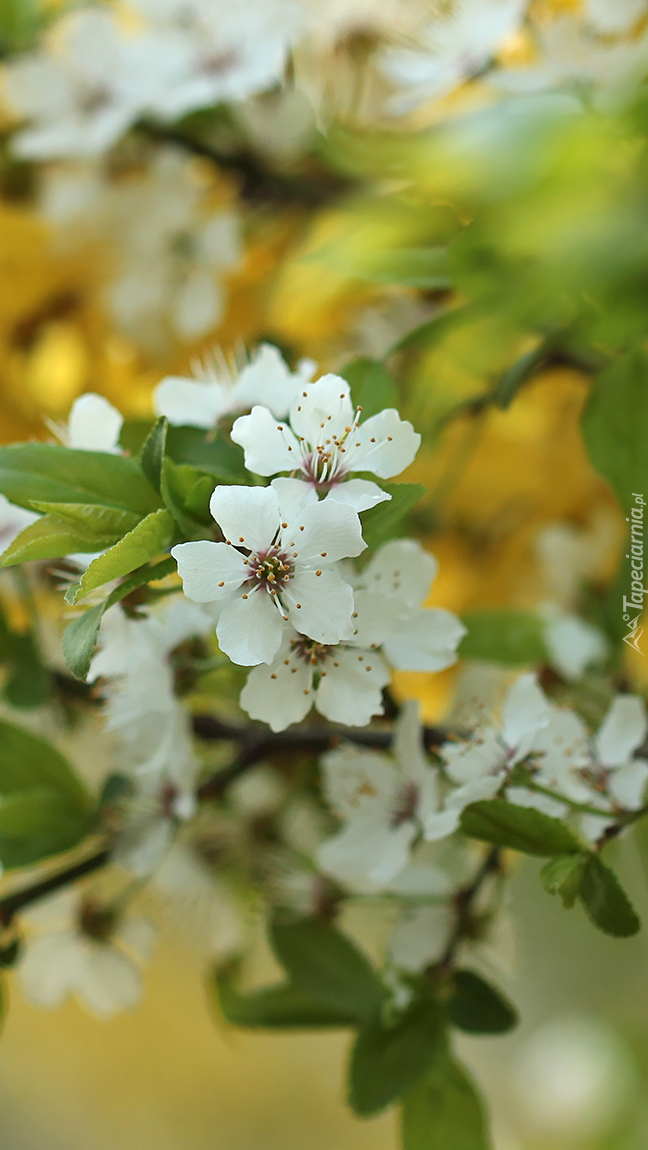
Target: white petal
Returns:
[320, 606]
[94, 424]
[623, 730]
[421, 937]
[438, 825]
[269, 446]
[280, 694]
[573, 645]
[268, 381]
[394, 854]
[49, 969]
[358, 782]
[294, 495]
[322, 409]
[375, 619]
[141, 851]
[247, 516]
[108, 981]
[627, 785]
[359, 494]
[187, 402]
[403, 569]
[523, 797]
[396, 444]
[562, 746]
[484, 788]
[326, 532]
[367, 854]
[525, 711]
[249, 630]
[426, 640]
[480, 756]
[350, 689]
[208, 570]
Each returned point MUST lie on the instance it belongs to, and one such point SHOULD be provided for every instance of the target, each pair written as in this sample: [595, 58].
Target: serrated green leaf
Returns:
[562, 876]
[372, 387]
[152, 453]
[381, 523]
[141, 544]
[281, 1007]
[518, 828]
[326, 965]
[477, 1007]
[615, 425]
[45, 472]
[444, 1112]
[387, 1061]
[50, 538]
[605, 900]
[80, 636]
[90, 519]
[510, 637]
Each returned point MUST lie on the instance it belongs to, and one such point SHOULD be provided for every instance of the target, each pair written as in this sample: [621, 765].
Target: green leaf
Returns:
[518, 828]
[444, 1112]
[29, 683]
[508, 637]
[50, 538]
[44, 472]
[562, 876]
[152, 453]
[380, 523]
[45, 809]
[91, 519]
[385, 1062]
[372, 387]
[411, 267]
[615, 425]
[519, 372]
[281, 1007]
[327, 966]
[477, 1007]
[20, 24]
[80, 636]
[187, 492]
[605, 900]
[209, 452]
[144, 542]
[434, 330]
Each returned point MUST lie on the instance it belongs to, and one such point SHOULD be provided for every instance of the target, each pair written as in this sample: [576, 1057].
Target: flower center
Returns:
[273, 569]
[309, 651]
[324, 463]
[405, 804]
[96, 921]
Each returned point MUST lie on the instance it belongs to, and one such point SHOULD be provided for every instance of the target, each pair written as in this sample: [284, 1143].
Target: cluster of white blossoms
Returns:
[389, 804]
[316, 631]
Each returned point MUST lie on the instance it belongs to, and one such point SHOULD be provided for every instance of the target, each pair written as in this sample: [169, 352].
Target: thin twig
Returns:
[12, 903]
[464, 902]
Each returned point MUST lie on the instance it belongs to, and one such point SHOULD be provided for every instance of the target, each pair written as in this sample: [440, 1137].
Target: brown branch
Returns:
[255, 743]
[464, 903]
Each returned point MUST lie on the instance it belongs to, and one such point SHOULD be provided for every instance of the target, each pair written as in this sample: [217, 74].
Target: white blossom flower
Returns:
[220, 389]
[231, 52]
[133, 659]
[83, 949]
[13, 520]
[603, 771]
[345, 681]
[385, 804]
[93, 425]
[614, 18]
[272, 570]
[92, 83]
[455, 47]
[323, 442]
[480, 764]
